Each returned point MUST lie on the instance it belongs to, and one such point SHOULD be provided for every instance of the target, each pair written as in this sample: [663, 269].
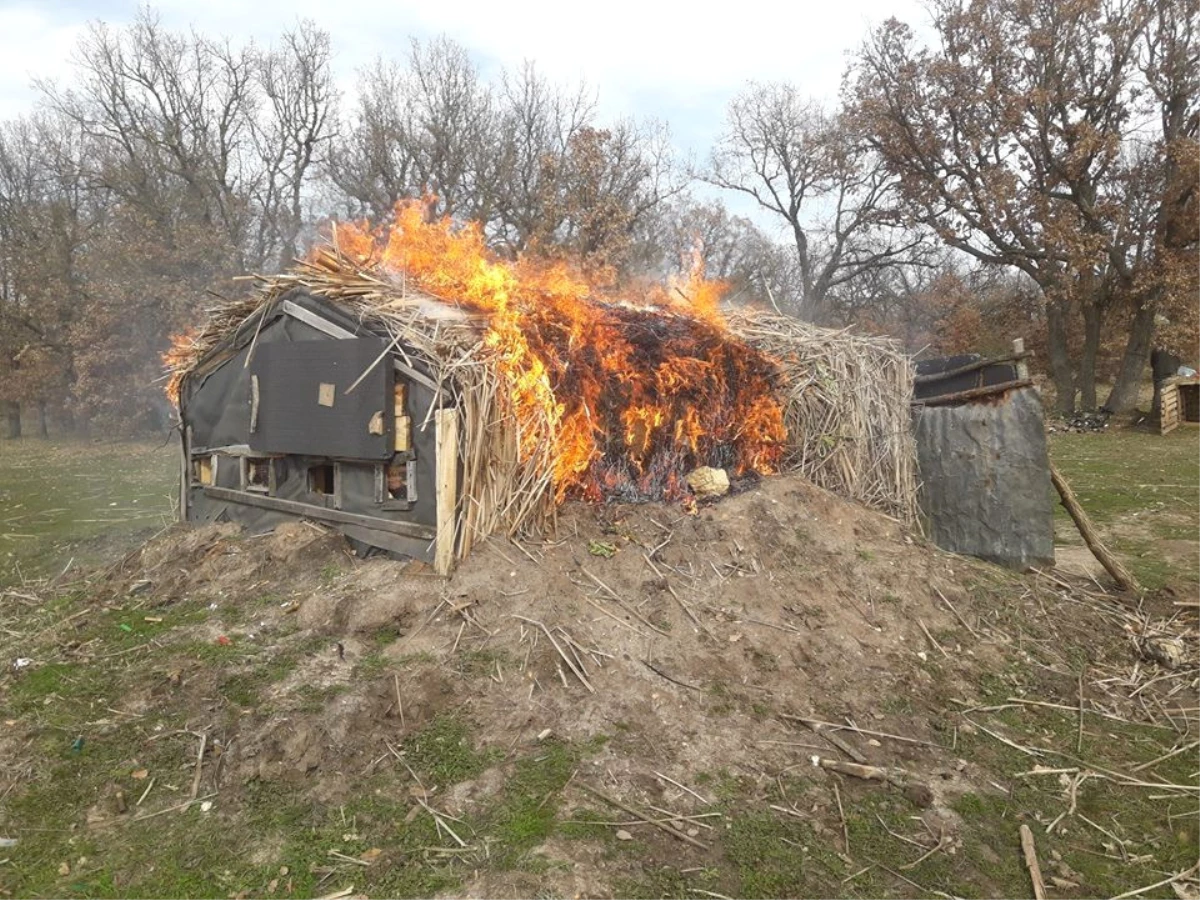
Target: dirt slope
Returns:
[659, 658]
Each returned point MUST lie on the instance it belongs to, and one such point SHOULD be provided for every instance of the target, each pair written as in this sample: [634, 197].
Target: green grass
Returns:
[1138, 488]
[442, 752]
[56, 494]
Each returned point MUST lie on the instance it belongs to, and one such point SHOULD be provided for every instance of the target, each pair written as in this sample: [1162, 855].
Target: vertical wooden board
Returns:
[1169, 409]
[185, 475]
[446, 437]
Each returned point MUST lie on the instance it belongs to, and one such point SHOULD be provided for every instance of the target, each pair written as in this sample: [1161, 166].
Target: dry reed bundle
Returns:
[846, 408]
[845, 396]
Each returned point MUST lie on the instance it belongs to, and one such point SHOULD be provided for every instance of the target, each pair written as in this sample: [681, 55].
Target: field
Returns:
[79, 500]
[613, 714]
[1143, 491]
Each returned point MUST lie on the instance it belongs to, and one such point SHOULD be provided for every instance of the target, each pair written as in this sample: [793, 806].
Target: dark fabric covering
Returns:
[215, 409]
[985, 478]
[291, 416]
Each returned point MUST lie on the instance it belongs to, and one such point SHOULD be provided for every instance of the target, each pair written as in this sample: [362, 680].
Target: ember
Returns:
[638, 390]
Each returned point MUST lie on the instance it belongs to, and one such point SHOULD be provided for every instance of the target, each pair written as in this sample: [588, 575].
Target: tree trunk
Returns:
[43, 431]
[1124, 394]
[1087, 360]
[1060, 359]
[11, 411]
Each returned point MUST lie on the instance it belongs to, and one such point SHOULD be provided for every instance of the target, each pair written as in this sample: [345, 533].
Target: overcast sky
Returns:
[677, 61]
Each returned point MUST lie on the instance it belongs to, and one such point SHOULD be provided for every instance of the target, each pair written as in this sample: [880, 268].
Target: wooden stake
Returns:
[1031, 862]
[1111, 564]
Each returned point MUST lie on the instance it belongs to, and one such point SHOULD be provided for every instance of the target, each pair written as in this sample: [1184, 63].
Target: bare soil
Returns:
[673, 654]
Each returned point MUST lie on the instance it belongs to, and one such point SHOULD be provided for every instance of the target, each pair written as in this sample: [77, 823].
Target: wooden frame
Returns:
[322, 513]
[1172, 408]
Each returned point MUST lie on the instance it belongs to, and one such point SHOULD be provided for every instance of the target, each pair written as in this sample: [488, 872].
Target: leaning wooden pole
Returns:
[1111, 564]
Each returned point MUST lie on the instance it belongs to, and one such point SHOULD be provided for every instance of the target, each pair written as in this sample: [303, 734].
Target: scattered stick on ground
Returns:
[1180, 876]
[870, 773]
[819, 728]
[199, 767]
[611, 801]
[1031, 862]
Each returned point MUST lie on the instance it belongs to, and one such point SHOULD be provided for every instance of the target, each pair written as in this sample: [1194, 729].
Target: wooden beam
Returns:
[185, 467]
[973, 393]
[446, 442]
[322, 513]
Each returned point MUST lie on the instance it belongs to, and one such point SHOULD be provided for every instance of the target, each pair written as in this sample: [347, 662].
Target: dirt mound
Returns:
[677, 664]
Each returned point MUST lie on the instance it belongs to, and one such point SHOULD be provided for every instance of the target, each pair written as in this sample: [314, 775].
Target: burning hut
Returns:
[419, 395]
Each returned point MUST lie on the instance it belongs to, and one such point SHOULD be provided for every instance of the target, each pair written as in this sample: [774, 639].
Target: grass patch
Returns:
[1137, 487]
[442, 752]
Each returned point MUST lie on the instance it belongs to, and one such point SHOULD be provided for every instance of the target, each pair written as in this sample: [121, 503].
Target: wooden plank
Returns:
[403, 440]
[446, 443]
[396, 543]
[185, 475]
[1169, 408]
[322, 513]
[253, 403]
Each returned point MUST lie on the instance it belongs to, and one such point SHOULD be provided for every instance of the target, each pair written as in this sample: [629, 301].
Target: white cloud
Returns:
[33, 44]
[667, 59]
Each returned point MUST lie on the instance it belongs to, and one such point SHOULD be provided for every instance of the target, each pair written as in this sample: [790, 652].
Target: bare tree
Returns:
[1013, 141]
[536, 124]
[292, 138]
[816, 173]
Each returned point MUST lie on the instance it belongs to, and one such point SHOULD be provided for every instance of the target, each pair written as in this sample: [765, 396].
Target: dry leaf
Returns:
[140, 774]
[370, 855]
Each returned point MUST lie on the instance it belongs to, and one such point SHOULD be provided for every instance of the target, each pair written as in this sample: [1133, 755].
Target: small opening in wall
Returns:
[1189, 396]
[257, 474]
[397, 482]
[320, 479]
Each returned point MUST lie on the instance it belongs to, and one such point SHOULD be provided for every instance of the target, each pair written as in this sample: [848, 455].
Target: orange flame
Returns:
[639, 390]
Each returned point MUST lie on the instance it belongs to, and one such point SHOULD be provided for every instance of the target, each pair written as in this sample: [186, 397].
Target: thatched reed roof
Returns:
[844, 397]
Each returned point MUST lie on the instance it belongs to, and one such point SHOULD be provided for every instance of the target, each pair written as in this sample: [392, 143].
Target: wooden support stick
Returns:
[1111, 564]
[1031, 862]
[974, 393]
